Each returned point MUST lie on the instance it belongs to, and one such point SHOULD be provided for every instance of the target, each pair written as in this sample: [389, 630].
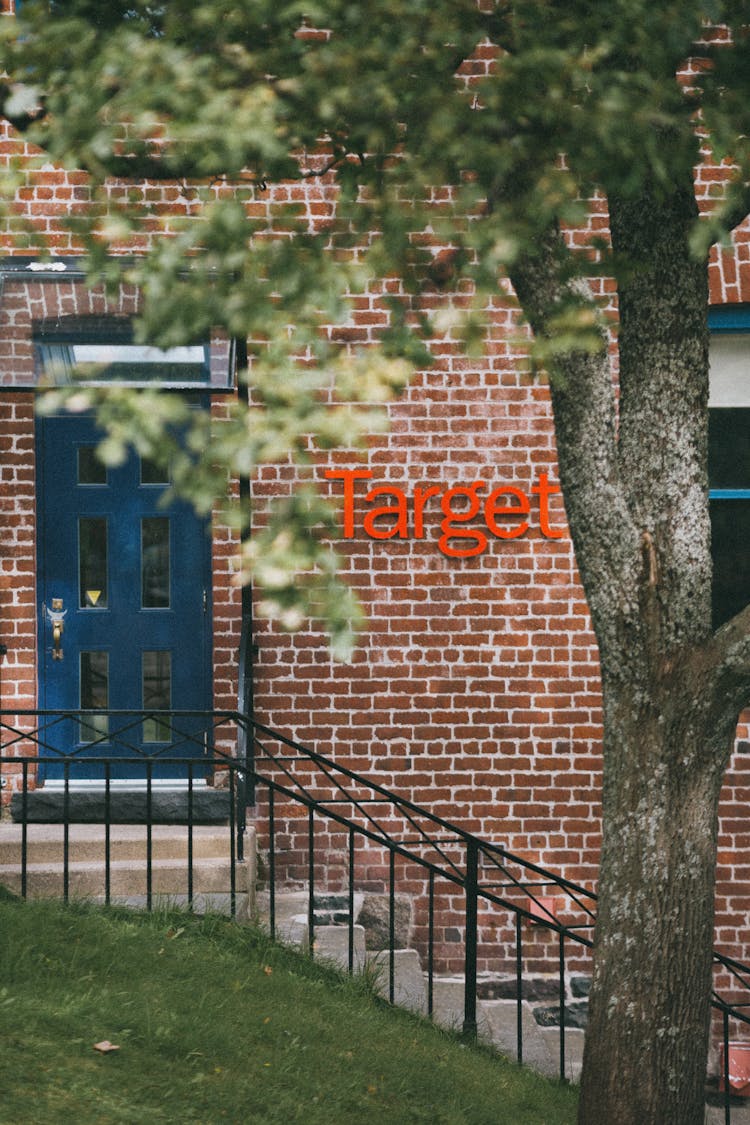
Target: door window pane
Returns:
[155, 562]
[157, 694]
[90, 468]
[94, 681]
[151, 473]
[92, 562]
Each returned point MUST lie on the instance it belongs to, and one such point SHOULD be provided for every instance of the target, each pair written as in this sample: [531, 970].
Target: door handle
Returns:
[55, 616]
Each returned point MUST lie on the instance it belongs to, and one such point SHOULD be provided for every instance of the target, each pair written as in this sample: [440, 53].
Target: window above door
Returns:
[101, 349]
[57, 330]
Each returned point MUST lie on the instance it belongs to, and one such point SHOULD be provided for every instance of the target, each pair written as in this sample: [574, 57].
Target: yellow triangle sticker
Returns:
[92, 596]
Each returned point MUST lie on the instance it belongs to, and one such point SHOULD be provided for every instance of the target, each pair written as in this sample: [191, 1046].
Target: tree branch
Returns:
[728, 653]
[739, 209]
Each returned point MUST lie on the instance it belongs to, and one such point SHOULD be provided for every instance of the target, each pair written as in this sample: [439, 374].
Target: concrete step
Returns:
[86, 842]
[87, 878]
[49, 805]
[128, 881]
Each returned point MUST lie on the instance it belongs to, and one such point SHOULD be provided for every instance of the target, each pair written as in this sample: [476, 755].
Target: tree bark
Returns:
[645, 1053]
[634, 475]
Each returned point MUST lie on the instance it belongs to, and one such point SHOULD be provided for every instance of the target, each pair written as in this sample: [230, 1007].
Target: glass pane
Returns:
[94, 694]
[730, 547]
[72, 349]
[729, 356]
[92, 562]
[157, 694]
[155, 562]
[151, 473]
[131, 363]
[729, 448]
[90, 468]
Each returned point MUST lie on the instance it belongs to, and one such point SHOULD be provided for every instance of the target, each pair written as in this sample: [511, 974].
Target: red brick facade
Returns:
[474, 689]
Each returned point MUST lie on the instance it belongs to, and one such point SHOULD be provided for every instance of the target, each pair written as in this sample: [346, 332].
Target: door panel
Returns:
[130, 578]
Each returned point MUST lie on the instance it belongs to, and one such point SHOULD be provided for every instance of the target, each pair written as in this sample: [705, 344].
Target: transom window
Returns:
[100, 349]
[56, 330]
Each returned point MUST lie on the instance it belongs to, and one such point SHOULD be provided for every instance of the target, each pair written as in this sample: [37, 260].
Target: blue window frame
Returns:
[729, 459]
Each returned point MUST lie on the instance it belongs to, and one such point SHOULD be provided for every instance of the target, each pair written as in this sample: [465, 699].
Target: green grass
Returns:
[216, 1024]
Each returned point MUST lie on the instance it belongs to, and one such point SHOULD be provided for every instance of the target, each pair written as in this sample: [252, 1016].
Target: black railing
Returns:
[50, 775]
[433, 858]
[731, 1005]
[503, 926]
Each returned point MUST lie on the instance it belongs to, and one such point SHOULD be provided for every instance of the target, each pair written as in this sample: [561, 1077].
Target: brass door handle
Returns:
[56, 615]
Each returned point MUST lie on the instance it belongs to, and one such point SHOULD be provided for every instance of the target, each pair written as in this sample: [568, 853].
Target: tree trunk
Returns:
[634, 473]
[665, 744]
[645, 1053]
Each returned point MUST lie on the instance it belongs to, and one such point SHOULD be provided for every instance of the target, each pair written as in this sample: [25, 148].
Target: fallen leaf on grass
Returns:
[105, 1047]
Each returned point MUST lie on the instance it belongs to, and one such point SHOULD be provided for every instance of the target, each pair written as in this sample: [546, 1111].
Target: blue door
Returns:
[123, 595]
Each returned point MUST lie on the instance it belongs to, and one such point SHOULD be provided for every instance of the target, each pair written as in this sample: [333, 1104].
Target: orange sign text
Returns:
[505, 511]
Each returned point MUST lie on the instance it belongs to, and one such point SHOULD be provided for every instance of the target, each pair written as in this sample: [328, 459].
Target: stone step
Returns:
[409, 982]
[44, 842]
[48, 805]
[86, 879]
[128, 880]
[740, 1112]
[496, 1018]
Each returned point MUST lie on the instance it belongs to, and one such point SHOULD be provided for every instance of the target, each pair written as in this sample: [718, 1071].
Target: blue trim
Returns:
[729, 494]
[729, 318]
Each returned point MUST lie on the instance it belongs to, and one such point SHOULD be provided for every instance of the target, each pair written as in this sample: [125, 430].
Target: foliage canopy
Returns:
[422, 142]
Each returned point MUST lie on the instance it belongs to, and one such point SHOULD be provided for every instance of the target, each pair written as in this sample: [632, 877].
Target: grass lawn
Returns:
[216, 1024]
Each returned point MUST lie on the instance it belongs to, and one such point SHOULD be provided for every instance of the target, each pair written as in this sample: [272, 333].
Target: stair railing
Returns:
[503, 925]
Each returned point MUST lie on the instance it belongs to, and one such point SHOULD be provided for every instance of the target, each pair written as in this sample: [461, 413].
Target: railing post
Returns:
[519, 989]
[233, 838]
[246, 781]
[149, 835]
[350, 963]
[470, 951]
[311, 879]
[240, 805]
[190, 841]
[107, 832]
[66, 830]
[431, 944]
[271, 862]
[562, 1005]
[727, 1088]
[25, 828]
[391, 925]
